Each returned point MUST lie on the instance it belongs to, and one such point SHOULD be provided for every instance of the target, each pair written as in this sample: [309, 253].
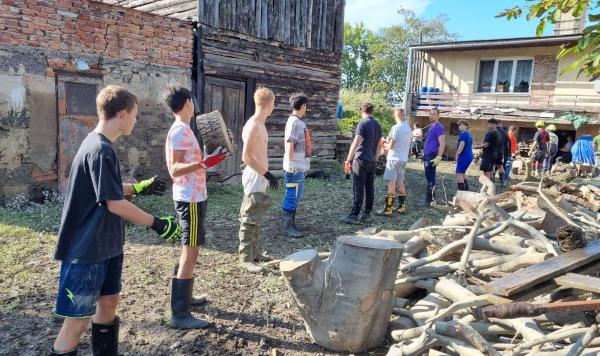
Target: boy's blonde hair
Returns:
[263, 96]
[112, 99]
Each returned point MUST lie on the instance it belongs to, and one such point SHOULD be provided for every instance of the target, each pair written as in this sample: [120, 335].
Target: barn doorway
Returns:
[76, 100]
[229, 98]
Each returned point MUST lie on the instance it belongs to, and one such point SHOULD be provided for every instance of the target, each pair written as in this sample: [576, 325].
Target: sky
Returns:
[470, 19]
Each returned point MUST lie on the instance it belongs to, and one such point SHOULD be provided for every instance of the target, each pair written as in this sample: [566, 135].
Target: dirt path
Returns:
[250, 315]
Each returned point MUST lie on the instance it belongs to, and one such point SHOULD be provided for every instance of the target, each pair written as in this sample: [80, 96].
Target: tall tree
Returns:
[390, 51]
[549, 11]
[356, 57]
[378, 61]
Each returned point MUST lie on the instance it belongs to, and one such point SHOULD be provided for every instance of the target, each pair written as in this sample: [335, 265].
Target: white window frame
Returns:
[497, 60]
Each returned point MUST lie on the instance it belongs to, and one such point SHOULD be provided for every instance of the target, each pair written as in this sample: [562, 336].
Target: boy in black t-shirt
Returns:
[91, 236]
[489, 157]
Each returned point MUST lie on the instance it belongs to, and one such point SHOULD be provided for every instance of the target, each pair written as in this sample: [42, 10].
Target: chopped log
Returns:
[427, 307]
[521, 309]
[468, 246]
[538, 273]
[346, 301]
[582, 343]
[475, 339]
[552, 337]
[459, 346]
[569, 238]
[476, 204]
[579, 281]
[524, 260]
[524, 326]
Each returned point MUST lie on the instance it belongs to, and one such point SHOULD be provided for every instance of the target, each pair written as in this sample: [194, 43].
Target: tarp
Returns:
[576, 120]
[583, 151]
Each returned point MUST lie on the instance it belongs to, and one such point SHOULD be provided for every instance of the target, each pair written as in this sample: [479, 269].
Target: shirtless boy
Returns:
[255, 179]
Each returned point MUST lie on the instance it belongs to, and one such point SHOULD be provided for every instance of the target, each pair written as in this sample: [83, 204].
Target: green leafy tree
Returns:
[356, 57]
[389, 51]
[587, 48]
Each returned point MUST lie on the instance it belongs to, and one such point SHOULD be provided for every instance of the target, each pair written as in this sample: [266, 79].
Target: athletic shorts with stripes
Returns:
[191, 220]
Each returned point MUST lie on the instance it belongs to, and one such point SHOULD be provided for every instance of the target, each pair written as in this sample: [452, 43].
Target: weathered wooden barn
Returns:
[286, 45]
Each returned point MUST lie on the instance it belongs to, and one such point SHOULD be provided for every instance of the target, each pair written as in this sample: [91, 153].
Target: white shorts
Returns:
[253, 182]
[394, 171]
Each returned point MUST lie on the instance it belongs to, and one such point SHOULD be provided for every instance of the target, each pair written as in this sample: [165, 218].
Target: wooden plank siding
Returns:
[317, 24]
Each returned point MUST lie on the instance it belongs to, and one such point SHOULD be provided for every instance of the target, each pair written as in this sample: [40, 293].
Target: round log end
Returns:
[370, 241]
[297, 259]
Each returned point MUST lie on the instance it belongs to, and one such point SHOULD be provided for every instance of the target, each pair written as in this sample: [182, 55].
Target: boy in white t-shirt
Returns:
[187, 168]
[398, 147]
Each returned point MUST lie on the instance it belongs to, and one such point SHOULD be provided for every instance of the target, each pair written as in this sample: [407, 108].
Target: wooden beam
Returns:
[578, 281]
[540, 272]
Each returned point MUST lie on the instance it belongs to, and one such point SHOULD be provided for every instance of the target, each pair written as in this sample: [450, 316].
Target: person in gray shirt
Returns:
[296, 162]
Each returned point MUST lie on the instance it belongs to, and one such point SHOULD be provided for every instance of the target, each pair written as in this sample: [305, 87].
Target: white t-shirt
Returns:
[402, 136]
[417, 134]
[296, 133]
[189, 187]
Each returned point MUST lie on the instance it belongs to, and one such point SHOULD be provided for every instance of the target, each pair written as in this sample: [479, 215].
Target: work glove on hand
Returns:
[273, 183]
[167, 228]
[218, 156]
[347, 167]
[436, 161]
[150, 186]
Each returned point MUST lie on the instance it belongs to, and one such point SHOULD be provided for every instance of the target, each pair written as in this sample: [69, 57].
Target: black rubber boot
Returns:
[428, 197]
[181, 305]
[460, 186]
[66, 353]
[105, 338]
[466, 184]
[298, 228]
[287, 225]
[196, 299]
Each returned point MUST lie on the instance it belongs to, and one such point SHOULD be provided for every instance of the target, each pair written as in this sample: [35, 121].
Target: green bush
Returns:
[352, 100]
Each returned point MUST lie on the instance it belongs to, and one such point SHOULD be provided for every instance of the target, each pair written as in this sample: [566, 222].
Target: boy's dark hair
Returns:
[492, 121]
[435, 109]
[367, 108]
[113, 99]
[463, 122]
[176, 97]
[297, 100]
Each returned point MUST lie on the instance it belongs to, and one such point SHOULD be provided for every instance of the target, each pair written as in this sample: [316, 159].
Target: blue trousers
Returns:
[294, 185]
[429, 169]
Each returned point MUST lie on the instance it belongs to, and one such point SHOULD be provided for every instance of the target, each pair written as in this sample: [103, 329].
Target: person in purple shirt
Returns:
[432, 153]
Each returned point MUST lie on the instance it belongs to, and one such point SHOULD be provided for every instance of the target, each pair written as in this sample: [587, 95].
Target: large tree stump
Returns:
[345, 301]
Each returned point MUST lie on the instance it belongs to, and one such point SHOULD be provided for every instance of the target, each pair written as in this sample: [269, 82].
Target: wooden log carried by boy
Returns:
[214, 132]
[346, 300]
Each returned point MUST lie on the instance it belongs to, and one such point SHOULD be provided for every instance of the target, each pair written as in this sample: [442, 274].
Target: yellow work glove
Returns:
[436, 160]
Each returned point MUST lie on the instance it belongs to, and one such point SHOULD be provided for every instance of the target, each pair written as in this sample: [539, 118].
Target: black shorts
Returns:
[487, 164]
[500, 160]
[191, 220]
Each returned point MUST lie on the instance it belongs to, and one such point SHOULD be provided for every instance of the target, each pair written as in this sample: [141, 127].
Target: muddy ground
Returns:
[250, 314]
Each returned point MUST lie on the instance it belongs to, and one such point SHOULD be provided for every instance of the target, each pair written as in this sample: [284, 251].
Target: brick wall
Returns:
[90, 27]
[143, 52]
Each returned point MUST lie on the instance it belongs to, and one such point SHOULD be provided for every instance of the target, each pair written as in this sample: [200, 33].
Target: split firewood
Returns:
[523, 260]
[448, 328]
[469, 245]
[582, 342]
[556, 336]
[475, 301]
[475, 339]
[459, 346]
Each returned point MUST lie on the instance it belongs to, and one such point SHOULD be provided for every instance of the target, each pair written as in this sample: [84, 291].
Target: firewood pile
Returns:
[512, 274]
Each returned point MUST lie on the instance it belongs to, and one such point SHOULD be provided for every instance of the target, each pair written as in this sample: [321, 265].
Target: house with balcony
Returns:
[515, 80]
